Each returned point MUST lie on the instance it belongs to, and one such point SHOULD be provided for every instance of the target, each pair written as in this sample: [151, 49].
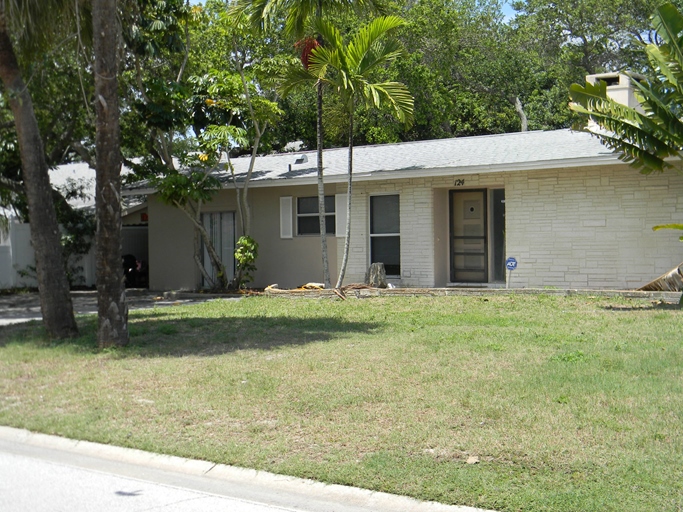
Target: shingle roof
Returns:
[442, 157]
[510, 151]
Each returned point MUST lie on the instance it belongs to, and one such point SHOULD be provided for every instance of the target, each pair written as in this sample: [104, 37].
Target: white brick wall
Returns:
[592, 228]
[568, 228]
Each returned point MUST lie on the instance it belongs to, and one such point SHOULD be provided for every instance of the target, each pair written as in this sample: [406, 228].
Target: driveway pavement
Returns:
[41, 473]
[23, 307]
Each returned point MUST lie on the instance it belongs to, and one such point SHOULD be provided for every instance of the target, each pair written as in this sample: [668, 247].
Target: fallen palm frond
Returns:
[672, 281]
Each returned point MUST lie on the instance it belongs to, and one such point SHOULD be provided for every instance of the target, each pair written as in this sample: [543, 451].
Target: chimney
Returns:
[619, 87]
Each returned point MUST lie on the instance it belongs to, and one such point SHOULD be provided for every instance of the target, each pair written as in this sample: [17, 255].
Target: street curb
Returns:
[332, 493]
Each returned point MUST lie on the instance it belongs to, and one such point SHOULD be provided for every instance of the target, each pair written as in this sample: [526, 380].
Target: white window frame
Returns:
[372, 235]
[304, 215]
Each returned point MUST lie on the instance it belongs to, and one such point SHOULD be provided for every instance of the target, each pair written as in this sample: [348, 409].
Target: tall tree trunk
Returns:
[321, 187]
[349, 182]
[111, 293]
[55, 300]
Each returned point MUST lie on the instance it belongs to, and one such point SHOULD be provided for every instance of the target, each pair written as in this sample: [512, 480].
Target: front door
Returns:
[469, 248]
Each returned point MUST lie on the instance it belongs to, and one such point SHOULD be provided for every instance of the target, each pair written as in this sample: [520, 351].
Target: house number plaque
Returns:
[459, 183]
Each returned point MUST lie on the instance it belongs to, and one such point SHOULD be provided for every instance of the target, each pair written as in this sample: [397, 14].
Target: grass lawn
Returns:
[569, 403]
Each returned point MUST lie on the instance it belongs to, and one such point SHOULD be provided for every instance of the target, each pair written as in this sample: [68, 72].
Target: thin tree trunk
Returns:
[243, 195]
[111, 292]
[198, 260]
[321, 188]
[55, 300]
[321, 185]
[242, 199]
[520, 112]
[349, 182]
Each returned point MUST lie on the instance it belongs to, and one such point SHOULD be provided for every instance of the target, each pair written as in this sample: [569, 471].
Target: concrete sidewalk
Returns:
[24, 307]
[107, 478]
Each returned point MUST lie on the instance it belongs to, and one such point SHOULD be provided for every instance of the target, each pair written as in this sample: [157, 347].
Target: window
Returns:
[307, 216]
[385, 229]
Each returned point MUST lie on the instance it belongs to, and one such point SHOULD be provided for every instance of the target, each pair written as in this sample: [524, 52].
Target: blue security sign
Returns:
[511, 263]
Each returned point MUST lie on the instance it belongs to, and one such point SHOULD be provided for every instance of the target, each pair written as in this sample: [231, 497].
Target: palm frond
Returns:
[396, 95]
[657, 106]
[668, 23]
[295, 76]
[669, 226]
[368, 35]
[381, 53]
[619, 129]
[323, 57]
[37, 23]
[330, 34]
[669, 71]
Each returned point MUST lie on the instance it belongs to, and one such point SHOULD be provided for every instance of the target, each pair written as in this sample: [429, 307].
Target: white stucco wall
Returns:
[286, 262]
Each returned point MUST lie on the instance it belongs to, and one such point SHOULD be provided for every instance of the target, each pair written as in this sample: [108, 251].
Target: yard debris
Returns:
[339, 293]
[473, 459]
[672, 281]
[312, 286]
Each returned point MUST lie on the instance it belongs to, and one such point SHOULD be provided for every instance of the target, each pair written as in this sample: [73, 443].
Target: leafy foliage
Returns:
[246, 254]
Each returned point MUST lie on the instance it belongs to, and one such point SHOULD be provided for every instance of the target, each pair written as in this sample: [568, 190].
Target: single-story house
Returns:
[440, 213]
[445, 212]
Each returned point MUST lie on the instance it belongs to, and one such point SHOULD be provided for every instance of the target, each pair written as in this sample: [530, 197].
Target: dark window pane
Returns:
[311, 225]
[330, 226]
[307, 205]
[310, 204]
[384, 215]
[387, 250]
[329, 204]
[308, 226]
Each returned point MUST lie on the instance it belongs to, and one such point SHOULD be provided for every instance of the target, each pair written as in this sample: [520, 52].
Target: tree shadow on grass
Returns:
[163, 334]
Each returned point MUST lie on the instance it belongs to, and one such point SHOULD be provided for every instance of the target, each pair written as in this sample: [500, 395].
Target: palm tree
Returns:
[347, 70]
[33, 22]
[262, 14]
[111, 293]
[651, 134]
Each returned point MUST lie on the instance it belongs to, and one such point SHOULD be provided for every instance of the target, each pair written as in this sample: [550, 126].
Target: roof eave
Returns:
[446, 171]
[607, 158]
